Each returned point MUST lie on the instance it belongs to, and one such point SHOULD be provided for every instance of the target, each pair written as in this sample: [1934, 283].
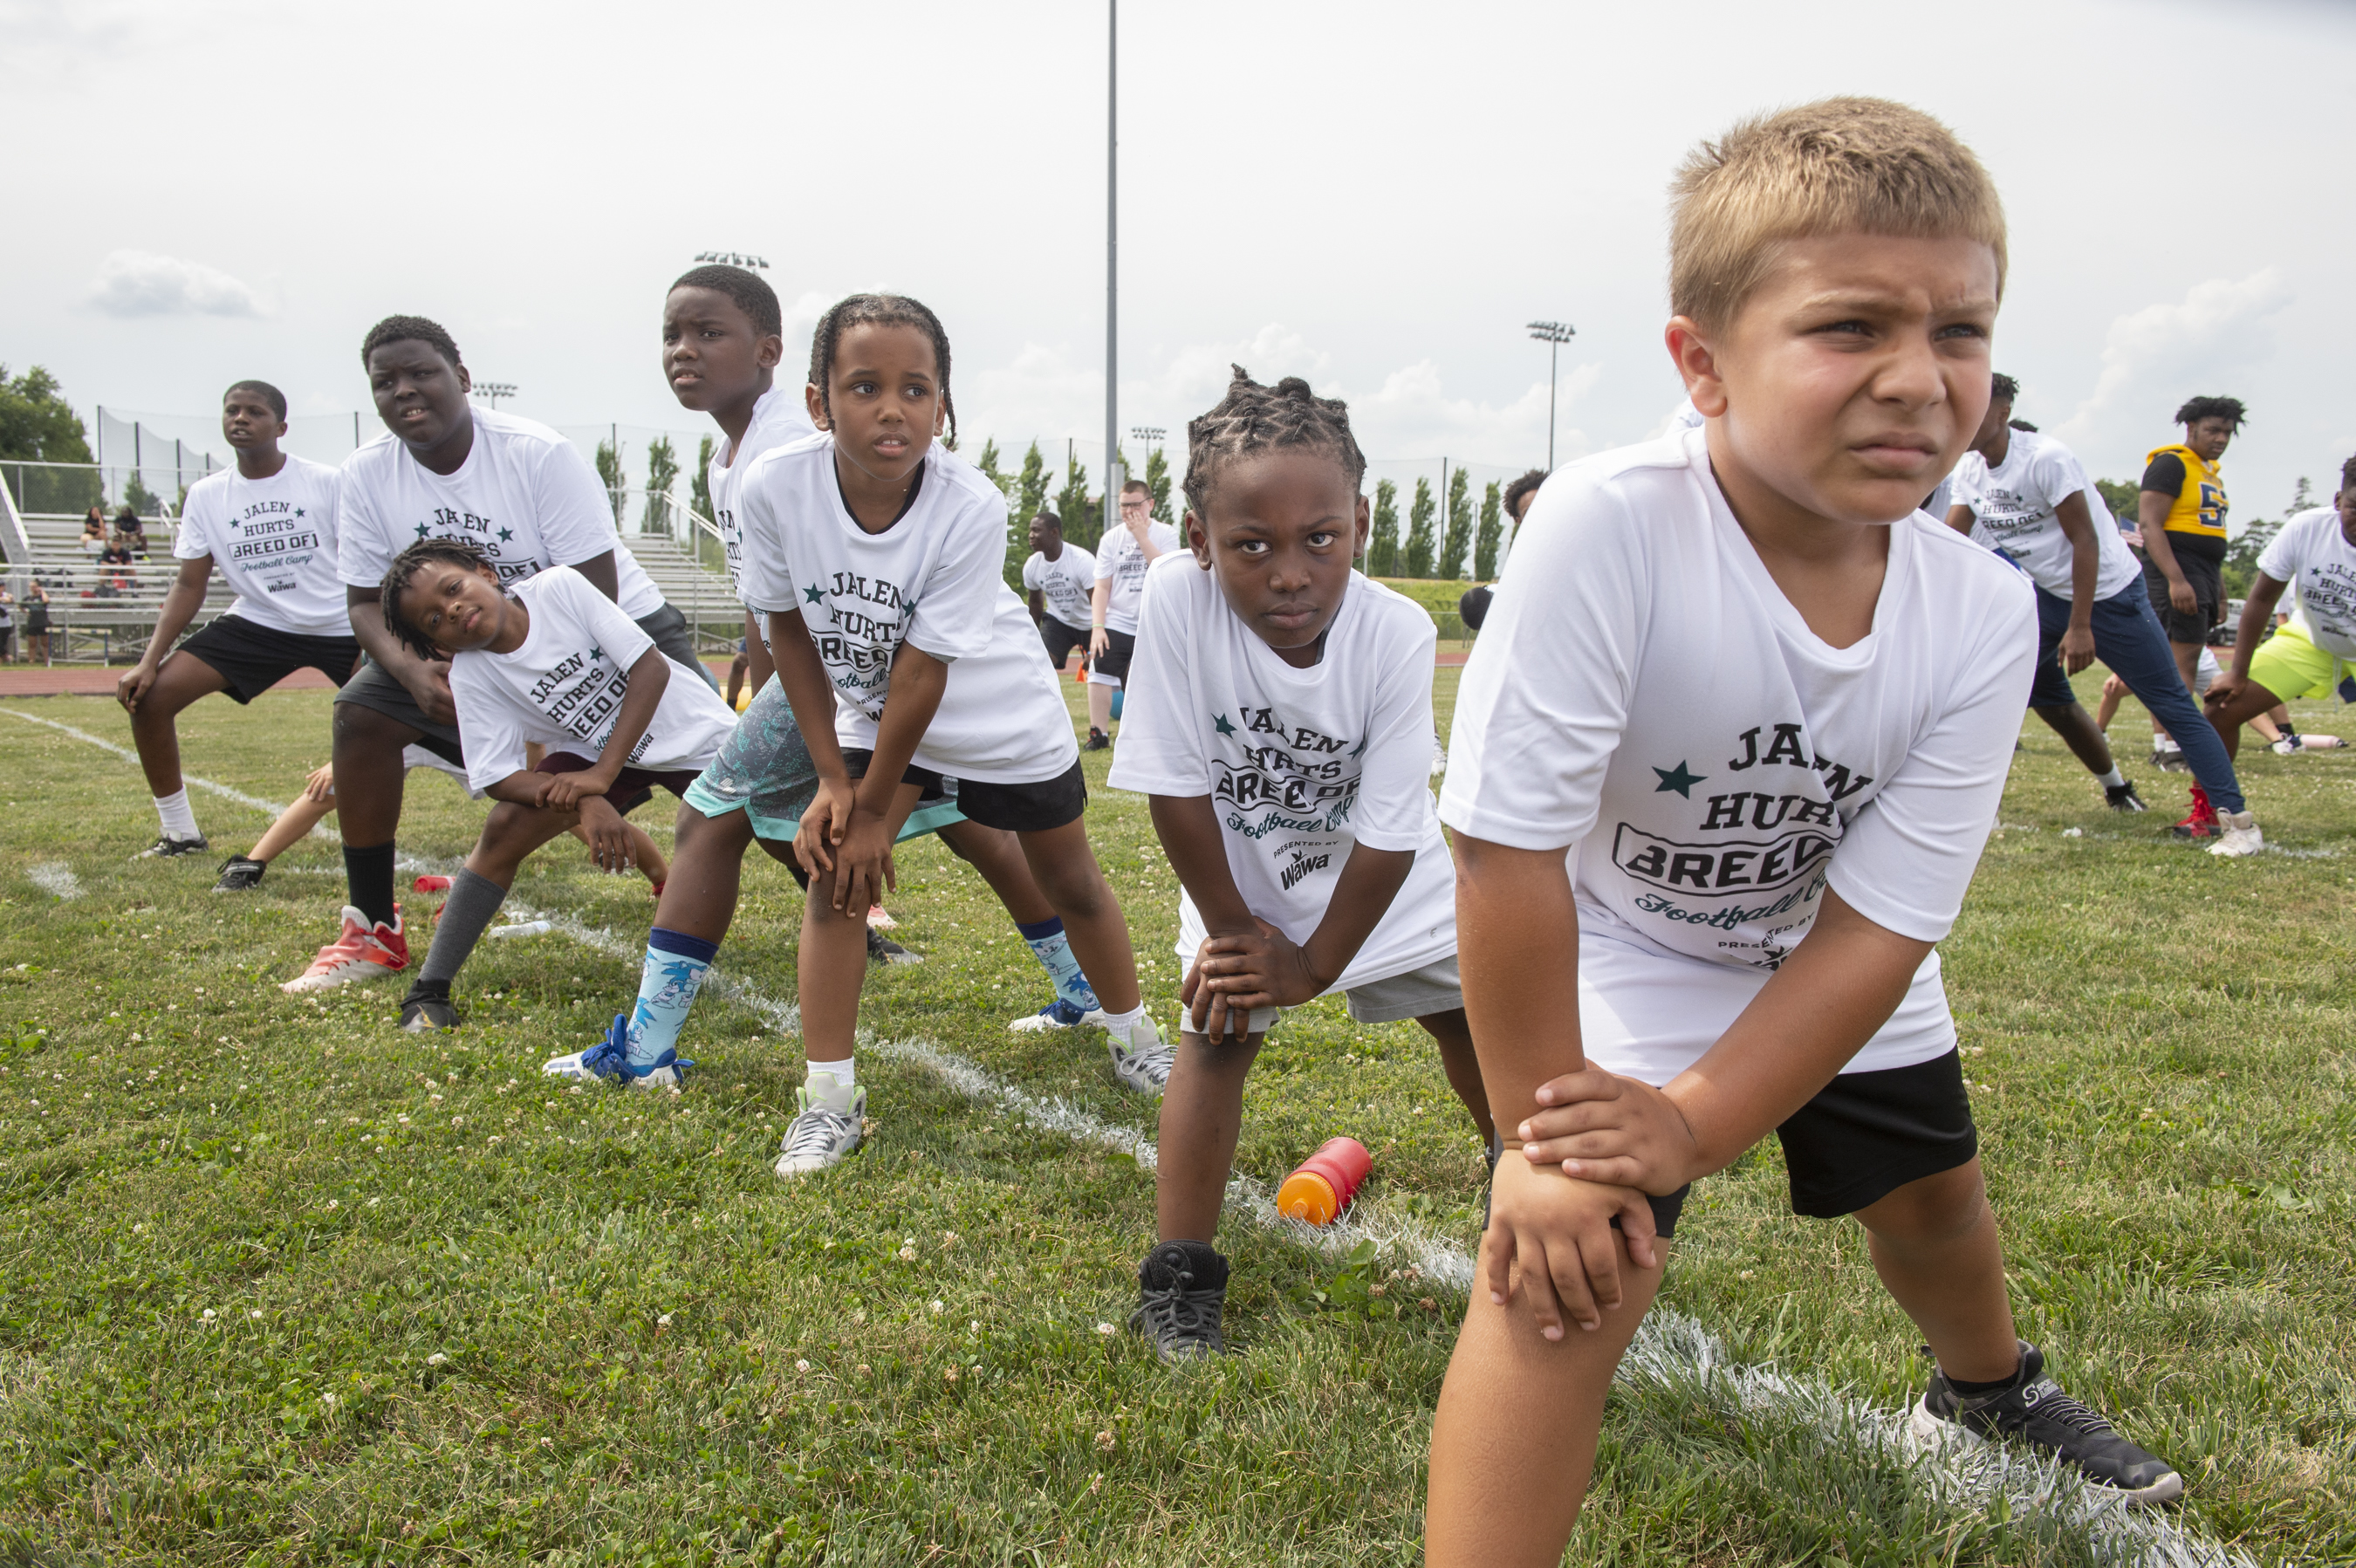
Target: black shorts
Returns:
[2205, 574]
[857, 759]
[1110, 667]
[379, 692]
[253, 658]
[1060, 641]
[633, 787]
[1864, 1135]
[1015, 808]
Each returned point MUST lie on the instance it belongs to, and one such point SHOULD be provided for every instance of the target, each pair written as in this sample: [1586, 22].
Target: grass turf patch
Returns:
[284, 1285]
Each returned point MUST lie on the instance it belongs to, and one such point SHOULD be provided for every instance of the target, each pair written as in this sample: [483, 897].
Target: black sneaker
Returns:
[170, 848]
[1097, 740]
[240, 874]
[1181, 1289]
[881, 948]
[426, 1009]
[2036, 1410]
[2122, 796]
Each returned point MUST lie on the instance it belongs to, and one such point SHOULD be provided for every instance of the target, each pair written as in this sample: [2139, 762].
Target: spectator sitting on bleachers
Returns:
[93, 534]
[131, 533]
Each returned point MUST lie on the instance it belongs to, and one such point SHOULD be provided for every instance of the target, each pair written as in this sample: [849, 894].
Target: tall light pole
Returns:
[1113, 477]
[495, 390]
[1554, 335]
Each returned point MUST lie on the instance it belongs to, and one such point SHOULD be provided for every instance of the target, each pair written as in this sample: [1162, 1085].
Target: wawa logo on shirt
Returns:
[477, 530]
[1803, 823]
[1301, 780]
[860, 645]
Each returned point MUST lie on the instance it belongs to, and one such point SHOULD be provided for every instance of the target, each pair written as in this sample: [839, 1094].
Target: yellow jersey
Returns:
[2199, 506]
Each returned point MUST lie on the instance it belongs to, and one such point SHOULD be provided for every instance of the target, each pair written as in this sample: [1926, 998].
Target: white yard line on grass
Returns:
[1672, 1351]
[55, 877]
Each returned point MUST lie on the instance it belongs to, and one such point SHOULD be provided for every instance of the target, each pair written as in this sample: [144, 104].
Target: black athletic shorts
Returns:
[1060, 641]
[253, 658]
[856, 760]
[1864, 1135]
[1112, 664]
[2205, 572]
[379, 692]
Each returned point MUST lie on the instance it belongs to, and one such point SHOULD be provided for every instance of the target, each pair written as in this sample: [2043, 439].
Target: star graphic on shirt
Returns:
[1222, 726]
[506, 534]
[810, 596]
[299, 512]
[595, 654]
[1678, 778]
[1360, 750]
[421, 531]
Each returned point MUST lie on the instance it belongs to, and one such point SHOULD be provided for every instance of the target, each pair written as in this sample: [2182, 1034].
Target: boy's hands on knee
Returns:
[566, 790]
[823, 821]
[1559, 1233]
[1600, 1127]
[863, 862]
[1241, 971]
[1209, 1011]
[609, 839]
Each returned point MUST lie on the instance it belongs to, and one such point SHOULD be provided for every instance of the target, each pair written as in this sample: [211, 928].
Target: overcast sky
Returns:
[1374, 194]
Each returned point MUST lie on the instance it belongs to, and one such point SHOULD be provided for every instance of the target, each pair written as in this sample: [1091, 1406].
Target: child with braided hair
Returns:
[1283, 729]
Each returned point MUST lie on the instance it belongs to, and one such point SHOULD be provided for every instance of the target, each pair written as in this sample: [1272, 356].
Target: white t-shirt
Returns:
[523, 495]
[2013, 510]
[2312, 551]
[1643, 692]
[563, 688]
[934, 579]
[779, 419]
[1120, 559]
[1300, 765]
[275, 541]
[1063, 583]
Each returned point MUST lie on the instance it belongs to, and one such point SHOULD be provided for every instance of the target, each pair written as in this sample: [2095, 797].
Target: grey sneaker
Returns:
[830, 1126]
[167, 847]
[1141, 1061]
[2034, 1410]
[1182, 1291]
[240, 874]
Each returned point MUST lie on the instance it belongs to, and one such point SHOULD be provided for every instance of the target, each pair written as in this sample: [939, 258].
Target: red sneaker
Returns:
[2202, 822]
[360, 953]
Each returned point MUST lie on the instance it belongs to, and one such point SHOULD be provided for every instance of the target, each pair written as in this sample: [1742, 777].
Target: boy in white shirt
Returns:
[270, 524]
[879, 558]
[1284, 733]
[549, 660]
[1060, 578]
[518, 492]
[2024, 495]
[1123, 555]
[1769, 709]
[2310, 654]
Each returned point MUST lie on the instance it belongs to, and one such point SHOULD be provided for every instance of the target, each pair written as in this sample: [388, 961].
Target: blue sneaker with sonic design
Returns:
[608, 1061]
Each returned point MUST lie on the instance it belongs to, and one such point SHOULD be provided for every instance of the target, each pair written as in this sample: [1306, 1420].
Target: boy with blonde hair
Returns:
[1767, 705]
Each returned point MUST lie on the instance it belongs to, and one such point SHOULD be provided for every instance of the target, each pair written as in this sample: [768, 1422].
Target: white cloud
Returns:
[2162, 354]
[140, 282]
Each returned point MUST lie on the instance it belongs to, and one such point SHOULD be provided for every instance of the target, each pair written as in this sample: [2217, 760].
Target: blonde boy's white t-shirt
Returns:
[778, 418]
[563, 687]
[2311, 551]
[524, 497]
[275, 541]
[1300, 765]
[935, 580]
[1121, 562]
[1644, 696]
[2013, 510]
[1063, 584]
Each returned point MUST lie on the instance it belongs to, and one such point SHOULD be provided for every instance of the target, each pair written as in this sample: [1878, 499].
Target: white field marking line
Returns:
[55, 877]
[125, 752]
[1671, 1350]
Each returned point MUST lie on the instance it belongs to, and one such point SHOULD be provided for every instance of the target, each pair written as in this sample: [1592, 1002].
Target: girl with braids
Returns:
[1287, 761]
[877, 557]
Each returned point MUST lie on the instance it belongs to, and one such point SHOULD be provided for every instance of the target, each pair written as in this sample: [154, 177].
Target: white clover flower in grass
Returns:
[1104, 1328]
[804, 1367]
[255, 1314]
[937, 1309]
[208, 1315]
[438, 1360]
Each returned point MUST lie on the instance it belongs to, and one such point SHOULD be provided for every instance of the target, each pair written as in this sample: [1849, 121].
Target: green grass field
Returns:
[283, 1287]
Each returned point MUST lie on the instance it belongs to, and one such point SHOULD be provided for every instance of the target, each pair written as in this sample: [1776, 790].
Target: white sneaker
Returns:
[1057, 1015]
[1141, 1062]
[2238, 835]
[361, 952]
[829, 1124]
[2287, 745]
[608, 1061]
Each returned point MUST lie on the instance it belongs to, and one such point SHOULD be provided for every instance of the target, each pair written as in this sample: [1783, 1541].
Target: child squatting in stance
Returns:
[1280, 717]
[1766, 709]
[551, 659]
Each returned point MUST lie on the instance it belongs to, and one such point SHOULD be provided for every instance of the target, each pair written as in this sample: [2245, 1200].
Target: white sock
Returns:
[179, 822]
[2112, 779]
[1119, 1022]
[845, 1072]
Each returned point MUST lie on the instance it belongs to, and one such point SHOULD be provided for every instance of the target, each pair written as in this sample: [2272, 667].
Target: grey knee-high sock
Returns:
[474, 903]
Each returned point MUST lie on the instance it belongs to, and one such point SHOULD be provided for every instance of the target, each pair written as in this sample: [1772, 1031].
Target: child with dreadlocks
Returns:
[548, 660]
[878, 558]
[1283, 730]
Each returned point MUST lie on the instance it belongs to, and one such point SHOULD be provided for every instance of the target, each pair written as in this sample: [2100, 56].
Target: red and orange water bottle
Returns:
[1324, 1183]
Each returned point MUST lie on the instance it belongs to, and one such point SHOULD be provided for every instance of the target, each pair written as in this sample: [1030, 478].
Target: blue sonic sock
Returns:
[675, 967]
[1054, 952]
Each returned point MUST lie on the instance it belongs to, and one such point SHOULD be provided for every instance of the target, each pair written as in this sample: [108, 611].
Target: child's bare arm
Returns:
[863, 839]
[1188, 827]
[648, 678]
[802, 676]
[523, 787]
[1838, 986]
[1264, 968]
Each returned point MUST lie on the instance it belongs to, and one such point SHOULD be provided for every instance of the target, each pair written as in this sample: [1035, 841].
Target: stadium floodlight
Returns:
[495, 390]
[1553, 334]
[1147, 435]
[733, 259]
